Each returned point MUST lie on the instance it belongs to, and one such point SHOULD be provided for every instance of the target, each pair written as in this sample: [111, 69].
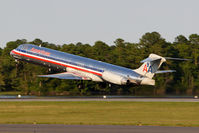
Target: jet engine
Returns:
[114, 78]
[147, 81]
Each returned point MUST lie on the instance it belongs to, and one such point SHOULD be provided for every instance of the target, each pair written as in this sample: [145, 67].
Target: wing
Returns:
[66, 75]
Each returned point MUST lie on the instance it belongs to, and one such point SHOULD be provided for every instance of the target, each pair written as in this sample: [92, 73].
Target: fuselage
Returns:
[69, 62]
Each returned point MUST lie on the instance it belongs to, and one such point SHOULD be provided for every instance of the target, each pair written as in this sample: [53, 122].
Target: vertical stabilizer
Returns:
[150, 65]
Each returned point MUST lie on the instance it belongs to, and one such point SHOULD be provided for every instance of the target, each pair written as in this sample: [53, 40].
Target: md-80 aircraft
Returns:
[81, 68]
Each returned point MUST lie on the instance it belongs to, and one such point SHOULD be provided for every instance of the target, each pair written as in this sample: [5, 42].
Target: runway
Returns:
[105, 99]
[44, 128]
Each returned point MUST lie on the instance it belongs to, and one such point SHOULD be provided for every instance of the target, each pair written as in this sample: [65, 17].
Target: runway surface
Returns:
[105, 99]
[43, 128]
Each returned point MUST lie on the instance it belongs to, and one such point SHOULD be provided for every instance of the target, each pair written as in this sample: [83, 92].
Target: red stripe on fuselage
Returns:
[37, 58]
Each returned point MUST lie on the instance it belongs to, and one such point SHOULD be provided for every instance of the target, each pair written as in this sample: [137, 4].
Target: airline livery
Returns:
[81, 68]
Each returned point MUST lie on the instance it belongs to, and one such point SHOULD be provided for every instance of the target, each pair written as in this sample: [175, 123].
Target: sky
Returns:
[87, 21]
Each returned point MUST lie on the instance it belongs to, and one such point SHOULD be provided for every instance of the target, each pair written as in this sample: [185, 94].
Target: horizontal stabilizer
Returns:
[149, 60]
[170, 58]
[66, 75]
[166, 71]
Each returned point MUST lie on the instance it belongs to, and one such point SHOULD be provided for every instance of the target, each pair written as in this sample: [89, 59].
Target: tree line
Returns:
[21, 76]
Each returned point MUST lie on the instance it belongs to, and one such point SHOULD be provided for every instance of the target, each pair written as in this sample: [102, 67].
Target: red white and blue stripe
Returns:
[56, 61]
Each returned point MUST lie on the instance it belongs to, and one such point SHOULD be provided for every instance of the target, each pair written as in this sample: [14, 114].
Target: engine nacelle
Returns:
[147, 81]
[114, 78]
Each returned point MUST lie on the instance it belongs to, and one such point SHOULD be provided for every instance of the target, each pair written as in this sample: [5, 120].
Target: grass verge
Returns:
[101, 113]
[10, 92]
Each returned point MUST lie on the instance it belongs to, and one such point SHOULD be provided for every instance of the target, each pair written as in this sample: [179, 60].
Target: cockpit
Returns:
[22, 47]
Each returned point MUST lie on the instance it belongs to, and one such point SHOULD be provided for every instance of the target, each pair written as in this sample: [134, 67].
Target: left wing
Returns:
[66, 75]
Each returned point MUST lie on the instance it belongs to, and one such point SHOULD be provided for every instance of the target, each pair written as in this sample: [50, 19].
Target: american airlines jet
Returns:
[80, 68]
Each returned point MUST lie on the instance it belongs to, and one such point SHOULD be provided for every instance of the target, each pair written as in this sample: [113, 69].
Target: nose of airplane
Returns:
[11, 53]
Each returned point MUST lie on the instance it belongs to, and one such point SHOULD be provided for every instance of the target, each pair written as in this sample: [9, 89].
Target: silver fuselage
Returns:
[61, 60]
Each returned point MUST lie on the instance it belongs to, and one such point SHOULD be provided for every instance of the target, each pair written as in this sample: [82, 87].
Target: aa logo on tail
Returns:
[147, 68]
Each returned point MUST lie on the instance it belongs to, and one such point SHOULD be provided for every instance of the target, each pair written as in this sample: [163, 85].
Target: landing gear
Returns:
[80, 85]
[17, 66]
[16, 61]
[109, 85]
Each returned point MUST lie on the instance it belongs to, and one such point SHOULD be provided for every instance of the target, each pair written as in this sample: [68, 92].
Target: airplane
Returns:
[81, 68]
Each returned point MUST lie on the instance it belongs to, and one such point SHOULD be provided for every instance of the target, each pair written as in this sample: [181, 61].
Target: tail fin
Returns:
[150, 65]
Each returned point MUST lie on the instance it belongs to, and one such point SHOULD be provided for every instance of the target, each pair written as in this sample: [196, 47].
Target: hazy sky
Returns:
[87, 21]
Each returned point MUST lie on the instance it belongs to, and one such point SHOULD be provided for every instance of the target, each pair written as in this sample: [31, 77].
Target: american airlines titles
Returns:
[40, 51]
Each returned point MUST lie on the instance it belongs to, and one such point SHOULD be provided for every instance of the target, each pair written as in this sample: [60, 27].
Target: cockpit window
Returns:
[22, 47]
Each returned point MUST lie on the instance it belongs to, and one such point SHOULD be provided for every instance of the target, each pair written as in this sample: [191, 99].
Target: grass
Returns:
[101, 113]
[10, 92]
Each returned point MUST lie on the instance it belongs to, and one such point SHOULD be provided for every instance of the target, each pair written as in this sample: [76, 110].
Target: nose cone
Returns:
[11, 53]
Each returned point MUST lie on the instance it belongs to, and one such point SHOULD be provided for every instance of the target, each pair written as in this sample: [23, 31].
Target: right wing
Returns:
[66, 75]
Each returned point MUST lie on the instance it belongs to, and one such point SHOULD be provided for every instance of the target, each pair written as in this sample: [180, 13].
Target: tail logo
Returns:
[147, 68]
